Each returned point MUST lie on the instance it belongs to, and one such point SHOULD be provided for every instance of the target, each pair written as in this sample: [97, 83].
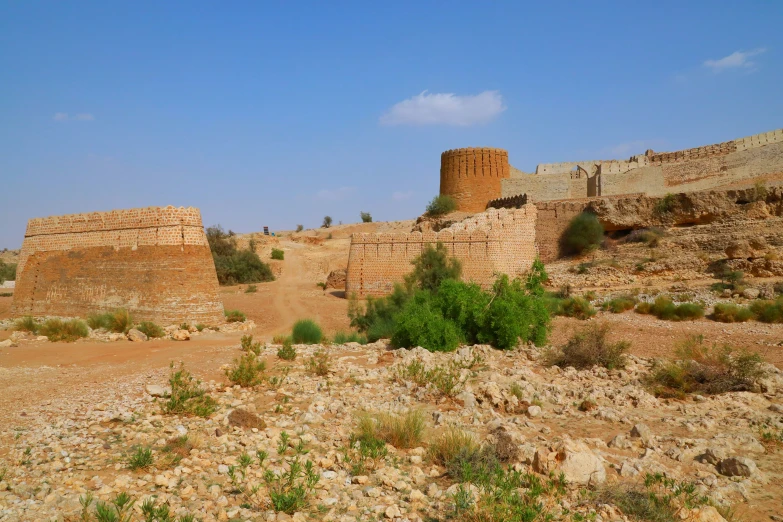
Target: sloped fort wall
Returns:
[476, 176]
[153, 261]
[490, 243]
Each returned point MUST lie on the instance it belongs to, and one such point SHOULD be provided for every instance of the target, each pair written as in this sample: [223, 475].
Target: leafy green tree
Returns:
[432, 267]
[583, 234]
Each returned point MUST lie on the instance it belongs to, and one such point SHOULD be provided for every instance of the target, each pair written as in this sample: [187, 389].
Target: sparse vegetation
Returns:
[120, 509]
[320, 363]
[7, 271]
[235, 266]
[247, 371]
[649, 236]
[150, 329]
[664, 308]
[577, 307]
[327, 222]
[351, 337]
[583, 234]
[731, 313]
[287, 352]
[251, 289]
[450, 444]
[246, 344]
[118, 321]
[666, 204]
[620, 304]
[63, 330]
[366, 217]
[187, 396]
[234, 316]
[700, 368]
[140, 459]
[401, 431]
[590, 347]
[768, 311]
[306, 331]
[446, 380]
[278, 254]
[440, 206]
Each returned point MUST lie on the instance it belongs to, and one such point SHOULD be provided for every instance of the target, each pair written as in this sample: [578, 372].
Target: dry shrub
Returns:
[245, 419]
[577, 307]
[701, 368]
[247, 371]
[664, 308]
[451, 443]
[401, 431]
[731, 313]
[589, 347]
[768, 311]
[66, 331]
[620, 304]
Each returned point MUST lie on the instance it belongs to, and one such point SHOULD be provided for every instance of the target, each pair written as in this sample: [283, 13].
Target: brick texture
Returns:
[472, 176]
[153, 261]
[490, 243]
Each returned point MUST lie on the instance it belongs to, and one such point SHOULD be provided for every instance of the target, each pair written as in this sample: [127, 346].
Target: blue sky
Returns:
[278, 113]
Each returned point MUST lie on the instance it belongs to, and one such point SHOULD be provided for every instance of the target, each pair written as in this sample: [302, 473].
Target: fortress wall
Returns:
[645, 179]
[539, 188]
[153, 261]
[495, 241]
[563, 167]
[553, 219]
[472, 176]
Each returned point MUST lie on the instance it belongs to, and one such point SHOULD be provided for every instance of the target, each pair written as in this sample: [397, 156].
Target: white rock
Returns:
[579, 464]
[136, 335]
[157, 390]
[534, 411]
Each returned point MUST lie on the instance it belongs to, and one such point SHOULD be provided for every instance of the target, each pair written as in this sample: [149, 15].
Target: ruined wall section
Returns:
[490, 243]
[472, 176]
[153, 261]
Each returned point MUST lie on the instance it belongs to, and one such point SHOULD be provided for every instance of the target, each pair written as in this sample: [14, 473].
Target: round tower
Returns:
[472, 176]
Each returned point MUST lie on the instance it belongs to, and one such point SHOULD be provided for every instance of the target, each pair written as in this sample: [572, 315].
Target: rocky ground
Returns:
[532, 414]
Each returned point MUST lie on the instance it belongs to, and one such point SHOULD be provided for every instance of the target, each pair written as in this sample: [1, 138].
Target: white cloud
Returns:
[737, 59]
[445, 109]
[335, 194]
[400, 196]
[64, 116]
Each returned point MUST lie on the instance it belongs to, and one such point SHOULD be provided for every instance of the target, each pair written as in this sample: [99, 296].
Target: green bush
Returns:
[287, 352]
[441, 205]
[432, 267]
[366, 217]
[278, 254]
[666, 204]
[67, 331]
[700, 368]
[583, 234]
[235, 266]
[251, 289]
[731, 313]
[247, 371]
[768, 311]
[27, 324]
[187, 396]
[299, 228]
[246, 344]
[7, 271]
[457, 312]
[234, 316]
[664, 308]
[150, 329]
[327, 222]
[590, 347]
[119, 321]
[141, 459]
[620, 304]
[306, 331]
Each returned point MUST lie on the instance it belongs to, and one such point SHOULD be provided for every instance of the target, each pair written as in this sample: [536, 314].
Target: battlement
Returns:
[115, 220]
[472, 176]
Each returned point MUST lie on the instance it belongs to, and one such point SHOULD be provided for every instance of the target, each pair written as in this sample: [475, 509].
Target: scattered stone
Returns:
[136, 335]
[737, 467]
[157, 390]
[641, 431]
[180, 335]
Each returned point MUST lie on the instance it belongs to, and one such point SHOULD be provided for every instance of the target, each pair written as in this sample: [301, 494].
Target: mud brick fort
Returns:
[155, 262]
[541, 204]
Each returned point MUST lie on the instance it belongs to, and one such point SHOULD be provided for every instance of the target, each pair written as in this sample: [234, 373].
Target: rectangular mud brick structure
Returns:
[487, 244]
[155, 262]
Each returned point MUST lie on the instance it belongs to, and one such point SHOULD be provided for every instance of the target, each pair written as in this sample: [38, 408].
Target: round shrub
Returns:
[584, 233]
[150, 329]
[306, 331]
[577, 307]
[421, 324]
[731, 313]
[768, 311]
[441, 205]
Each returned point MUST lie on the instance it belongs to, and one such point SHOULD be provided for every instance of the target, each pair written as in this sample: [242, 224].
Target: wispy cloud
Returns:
[736, 60]
[64, 116]
[401, 196]
[335, 194]
[445, 109]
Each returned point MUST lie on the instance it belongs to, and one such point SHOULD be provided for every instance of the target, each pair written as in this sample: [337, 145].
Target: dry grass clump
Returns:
[701, 368]
[150, 329]
[589, 347]
[320, 363]
[401, 431]
[234, 316]
[768, 311]
[118, 321]
[187, 396]
[67, 331]
[731, 313]
[450, 444]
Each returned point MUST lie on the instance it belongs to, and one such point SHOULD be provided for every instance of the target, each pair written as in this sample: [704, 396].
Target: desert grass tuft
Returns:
[401, 431]
[590, 347]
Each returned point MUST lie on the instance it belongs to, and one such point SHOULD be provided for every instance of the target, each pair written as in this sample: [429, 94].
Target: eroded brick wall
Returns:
[489, 243]
[472, 176]
[154, 261]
